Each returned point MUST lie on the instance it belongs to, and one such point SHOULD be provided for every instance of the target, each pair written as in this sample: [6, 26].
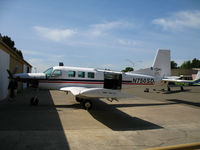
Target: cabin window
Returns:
[90, 74]
[81, 74]
[71, 73]
[56, 73]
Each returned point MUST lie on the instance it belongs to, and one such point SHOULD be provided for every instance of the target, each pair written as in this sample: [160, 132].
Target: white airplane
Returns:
[181, 83]
[88, 83]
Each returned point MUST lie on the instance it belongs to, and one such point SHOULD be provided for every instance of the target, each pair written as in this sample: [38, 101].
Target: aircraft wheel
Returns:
[87, 104]
[34, 101]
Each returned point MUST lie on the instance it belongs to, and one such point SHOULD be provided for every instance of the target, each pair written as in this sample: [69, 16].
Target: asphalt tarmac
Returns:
[148, 120]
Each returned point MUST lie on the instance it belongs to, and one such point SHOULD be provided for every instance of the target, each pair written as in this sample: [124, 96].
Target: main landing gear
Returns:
[86, 104]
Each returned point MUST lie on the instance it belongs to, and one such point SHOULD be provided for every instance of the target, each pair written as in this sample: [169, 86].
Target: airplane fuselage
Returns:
[58, 77]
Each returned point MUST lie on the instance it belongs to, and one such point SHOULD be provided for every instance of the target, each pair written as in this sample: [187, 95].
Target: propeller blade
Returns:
[10, 74]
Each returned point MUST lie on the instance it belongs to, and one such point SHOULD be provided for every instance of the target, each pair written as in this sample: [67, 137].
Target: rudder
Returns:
[162, 64]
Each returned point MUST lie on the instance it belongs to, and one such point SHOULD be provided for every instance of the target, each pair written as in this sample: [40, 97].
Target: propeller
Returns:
[12, 86]
[10, 74]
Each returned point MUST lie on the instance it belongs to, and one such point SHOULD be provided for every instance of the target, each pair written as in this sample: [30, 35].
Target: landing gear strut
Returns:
[146, 90]
[79, 99]
[182, 89]
[168, 89]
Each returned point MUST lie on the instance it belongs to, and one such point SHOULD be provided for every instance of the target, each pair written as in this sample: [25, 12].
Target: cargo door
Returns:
[112, 81]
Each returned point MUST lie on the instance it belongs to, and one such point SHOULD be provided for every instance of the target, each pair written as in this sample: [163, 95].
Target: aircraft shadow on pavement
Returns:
[30, 127]
[110, 106]
[178, 101]
[176, 91]
[74, 106]
[110, 116]
[117, 120]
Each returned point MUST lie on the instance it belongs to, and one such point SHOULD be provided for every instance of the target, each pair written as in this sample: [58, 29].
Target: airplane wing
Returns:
[85, 92]
[175, 80]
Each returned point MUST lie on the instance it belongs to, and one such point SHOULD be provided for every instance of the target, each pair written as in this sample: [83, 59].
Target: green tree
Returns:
[19, 52]
[174, 65]
[8, 41]
[195, 63]
[186, 65]
[128, 69]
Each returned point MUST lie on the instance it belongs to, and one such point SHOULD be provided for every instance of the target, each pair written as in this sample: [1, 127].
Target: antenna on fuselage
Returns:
[61, 64]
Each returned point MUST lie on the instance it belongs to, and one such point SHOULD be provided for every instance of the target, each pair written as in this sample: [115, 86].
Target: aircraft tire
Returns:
[87, 104]
[34, 101]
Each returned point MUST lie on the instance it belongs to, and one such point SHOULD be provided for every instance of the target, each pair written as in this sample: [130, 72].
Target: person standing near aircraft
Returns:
[12, 87]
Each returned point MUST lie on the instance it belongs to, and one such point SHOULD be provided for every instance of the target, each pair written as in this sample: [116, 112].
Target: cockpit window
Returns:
[48, 72]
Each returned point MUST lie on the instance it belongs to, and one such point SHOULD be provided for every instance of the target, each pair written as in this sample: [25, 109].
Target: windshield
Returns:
[48, 72]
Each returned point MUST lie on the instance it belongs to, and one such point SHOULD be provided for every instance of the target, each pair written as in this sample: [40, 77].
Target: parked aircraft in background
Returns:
[182, 83]
[89, 83]
[161, 68]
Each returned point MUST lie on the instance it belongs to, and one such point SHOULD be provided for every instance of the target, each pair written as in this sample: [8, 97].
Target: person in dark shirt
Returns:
[12, 87]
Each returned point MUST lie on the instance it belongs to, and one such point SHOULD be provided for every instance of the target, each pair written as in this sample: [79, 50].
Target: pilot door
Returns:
[112, 81]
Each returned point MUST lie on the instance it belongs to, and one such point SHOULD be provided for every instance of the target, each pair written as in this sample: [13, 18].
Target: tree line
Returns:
[189, 64]
[10, 43]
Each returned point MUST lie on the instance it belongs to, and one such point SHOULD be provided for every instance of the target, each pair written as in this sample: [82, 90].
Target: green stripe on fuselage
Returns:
[182, 84]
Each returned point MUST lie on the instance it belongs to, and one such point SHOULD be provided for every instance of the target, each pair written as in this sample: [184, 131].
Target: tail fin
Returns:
[162, 65]
[196, 82]
[198, 75]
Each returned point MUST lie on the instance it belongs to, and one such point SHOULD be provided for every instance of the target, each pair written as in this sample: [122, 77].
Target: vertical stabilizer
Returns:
[198, 75]
[162, 64]
[197, 80]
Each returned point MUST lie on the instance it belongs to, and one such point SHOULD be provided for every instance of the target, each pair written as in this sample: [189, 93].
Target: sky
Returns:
[111, 34]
